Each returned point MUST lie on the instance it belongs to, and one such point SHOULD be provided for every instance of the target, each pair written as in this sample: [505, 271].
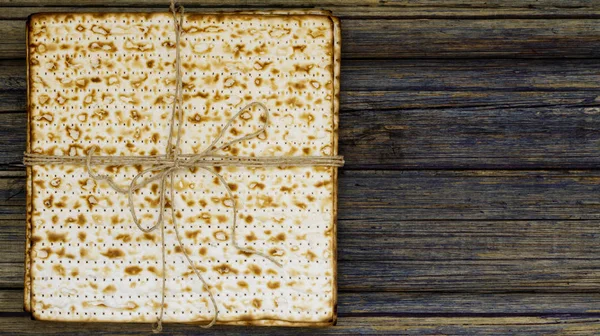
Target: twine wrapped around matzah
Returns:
[165, 166]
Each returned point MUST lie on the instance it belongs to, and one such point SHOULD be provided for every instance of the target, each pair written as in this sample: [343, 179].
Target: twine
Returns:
[167, 165]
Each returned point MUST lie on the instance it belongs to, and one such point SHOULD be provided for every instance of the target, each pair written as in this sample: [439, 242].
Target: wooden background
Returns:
[470, 199]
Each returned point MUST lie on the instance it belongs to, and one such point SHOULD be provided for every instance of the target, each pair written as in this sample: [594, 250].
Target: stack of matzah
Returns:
[108, 80]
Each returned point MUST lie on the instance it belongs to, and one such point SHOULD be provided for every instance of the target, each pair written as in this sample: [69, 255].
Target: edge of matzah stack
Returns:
[336, 54]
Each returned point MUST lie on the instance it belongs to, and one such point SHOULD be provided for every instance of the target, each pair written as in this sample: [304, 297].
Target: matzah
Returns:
[108, 80]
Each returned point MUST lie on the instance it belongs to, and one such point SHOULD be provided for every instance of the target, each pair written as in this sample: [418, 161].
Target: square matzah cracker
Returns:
[108, 80]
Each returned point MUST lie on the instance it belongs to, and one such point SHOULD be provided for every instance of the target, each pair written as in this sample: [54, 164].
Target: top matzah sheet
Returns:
[83, 92]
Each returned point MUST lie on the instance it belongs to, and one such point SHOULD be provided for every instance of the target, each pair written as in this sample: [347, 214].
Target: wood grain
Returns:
[563, 325]
[441, 276]
[423, 38]
[352, 304]
[354, 8]
[344, 9]
[380, 238]
[468, 205]
[432, 114]
[424, 195]
[443, 231]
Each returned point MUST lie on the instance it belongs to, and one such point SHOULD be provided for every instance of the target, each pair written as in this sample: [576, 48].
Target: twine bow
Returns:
[167, 165]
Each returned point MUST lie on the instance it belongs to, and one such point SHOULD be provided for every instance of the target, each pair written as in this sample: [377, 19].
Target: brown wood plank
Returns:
[563, 325]
[380, 238]
[352, 304]
[423, 76]
[440, 230]
[476, 114]
[11, 275]
[469, 276]
[424, 7]
[396, 101]
[425, 195]
[347, 9]
[424, 38]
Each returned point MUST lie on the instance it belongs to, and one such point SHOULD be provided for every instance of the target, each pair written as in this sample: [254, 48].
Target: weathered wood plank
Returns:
[469, 195]
[568, 275]
[426, 7]
[563, 325]
[439, 195]
[209, 3]
[391, 101]
[482, 75]
[443, 138]
[477, 114]
[380, 238]
[11, 275]
[553, 275]
[472, 230]
[470, 75]
[348, 9]
[351, 304]
[424, 38]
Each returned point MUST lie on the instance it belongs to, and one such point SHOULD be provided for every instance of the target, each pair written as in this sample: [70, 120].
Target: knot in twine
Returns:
[167, 165]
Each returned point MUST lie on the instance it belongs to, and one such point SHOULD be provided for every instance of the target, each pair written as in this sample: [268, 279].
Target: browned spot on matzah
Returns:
[225, 269]
[256, 185]
[48, 202]
[133, 270]
[114, 253]
[124, 237]
[192, 234]
[255, 269]
[153, 270]
[251, 237]
[273, 284]
[276, 252]
[56, 237]
[221, 235]
[311, 256]
[80, 220]
[59, 269]
[109, 289]
[202, 250]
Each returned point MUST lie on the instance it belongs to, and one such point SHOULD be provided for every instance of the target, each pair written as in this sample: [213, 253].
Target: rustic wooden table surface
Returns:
[470, 199]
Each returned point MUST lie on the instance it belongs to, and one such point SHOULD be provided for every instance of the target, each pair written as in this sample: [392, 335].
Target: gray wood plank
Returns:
[344, 9]
[440, 240]
[461, 76]
[377, 239]
[396, 101]
[424, 38]
[354, 304]
[536, 325]
[381, 238]
[476, 114]
[429, 8]
[424, 195]
[441, 230]
[471, 276]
